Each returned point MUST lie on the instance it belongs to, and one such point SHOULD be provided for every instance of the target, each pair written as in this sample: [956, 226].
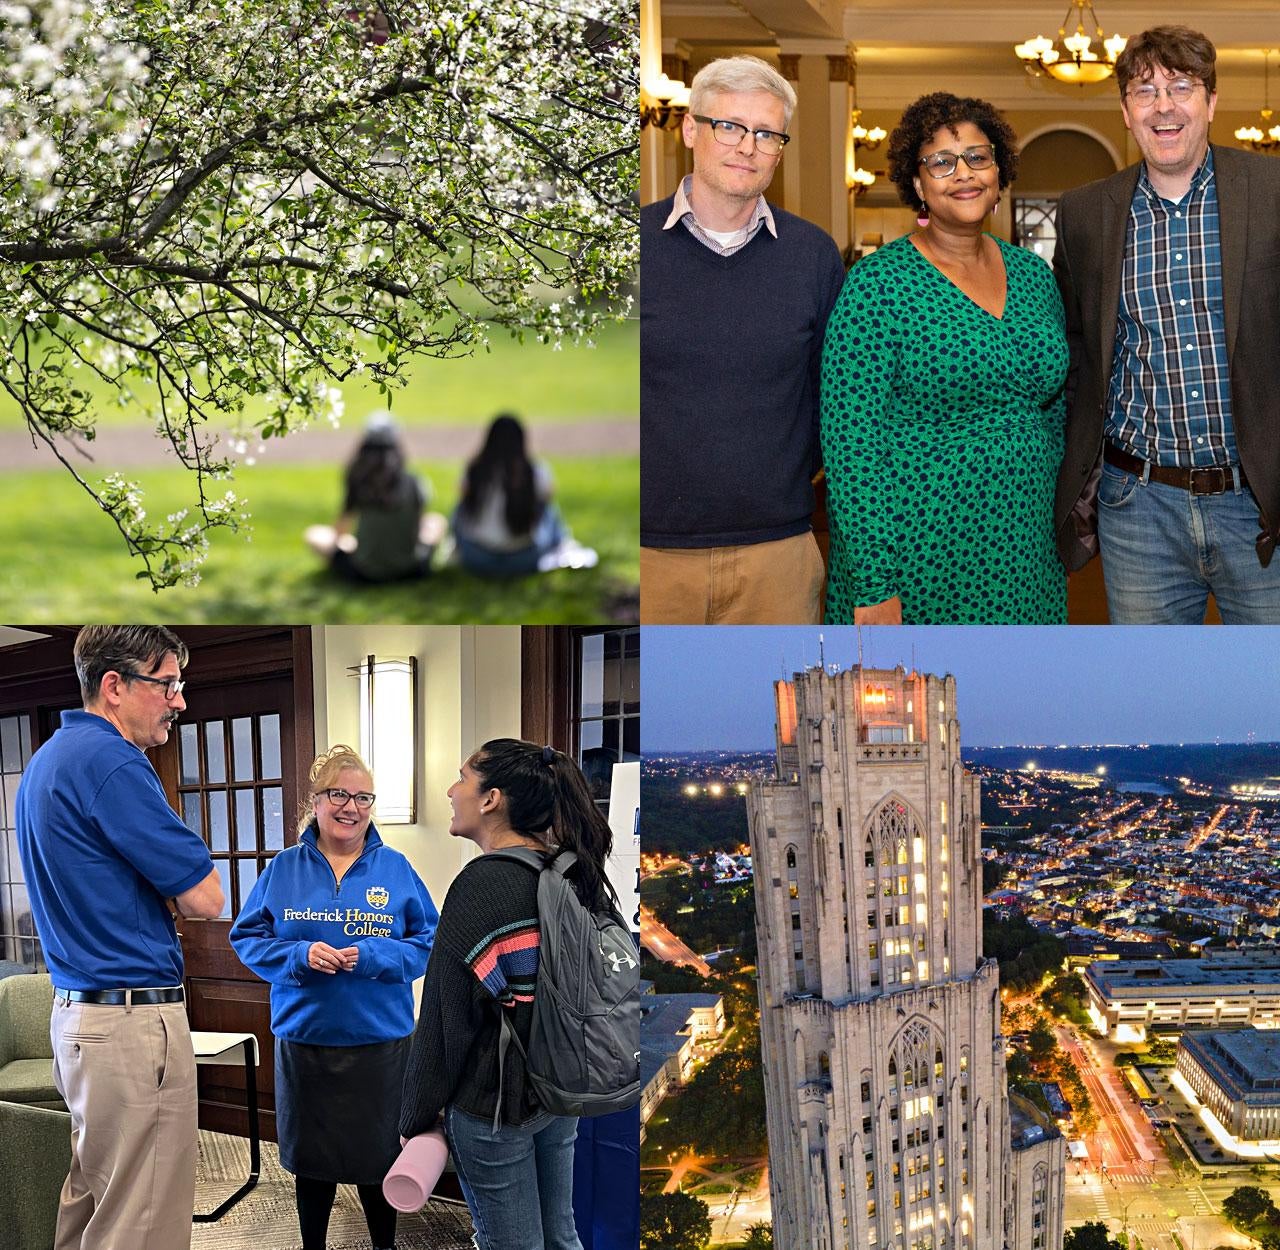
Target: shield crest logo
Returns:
[377, 896]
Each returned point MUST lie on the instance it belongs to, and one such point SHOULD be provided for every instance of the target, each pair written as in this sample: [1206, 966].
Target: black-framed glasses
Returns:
[943, 164]
[172, 685]
[340, 798]
[1179, 91]
[770, 142]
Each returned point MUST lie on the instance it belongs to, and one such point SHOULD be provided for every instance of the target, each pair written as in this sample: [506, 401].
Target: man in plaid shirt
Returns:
[1170, 273]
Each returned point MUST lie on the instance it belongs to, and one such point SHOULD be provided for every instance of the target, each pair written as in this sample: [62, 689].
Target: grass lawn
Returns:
[65, 561]
[576, 383]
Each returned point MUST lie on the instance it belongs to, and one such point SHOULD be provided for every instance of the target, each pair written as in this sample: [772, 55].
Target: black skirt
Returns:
[338, 1109]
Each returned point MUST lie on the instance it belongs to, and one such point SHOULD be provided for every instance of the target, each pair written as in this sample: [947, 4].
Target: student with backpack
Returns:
[530, 1009]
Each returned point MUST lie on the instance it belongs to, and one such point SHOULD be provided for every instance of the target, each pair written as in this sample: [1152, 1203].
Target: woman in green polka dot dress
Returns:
[942, 398]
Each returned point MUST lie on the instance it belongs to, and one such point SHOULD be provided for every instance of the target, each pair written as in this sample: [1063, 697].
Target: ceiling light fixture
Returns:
[1071, 58]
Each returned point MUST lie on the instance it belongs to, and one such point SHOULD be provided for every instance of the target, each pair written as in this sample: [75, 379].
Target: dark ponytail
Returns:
[548, 798]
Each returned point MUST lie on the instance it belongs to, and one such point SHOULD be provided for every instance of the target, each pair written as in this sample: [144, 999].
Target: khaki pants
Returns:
[128, 1076]
[774, 583]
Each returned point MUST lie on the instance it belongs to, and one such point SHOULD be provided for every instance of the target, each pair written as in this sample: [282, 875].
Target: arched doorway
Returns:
[1053, 161]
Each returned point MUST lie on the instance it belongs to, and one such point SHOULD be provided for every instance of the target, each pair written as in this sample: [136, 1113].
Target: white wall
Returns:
[468, 692]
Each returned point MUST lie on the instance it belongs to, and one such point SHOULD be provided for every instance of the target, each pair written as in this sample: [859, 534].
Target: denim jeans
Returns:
[1164, 549]
[547, 535]
[518, 1182]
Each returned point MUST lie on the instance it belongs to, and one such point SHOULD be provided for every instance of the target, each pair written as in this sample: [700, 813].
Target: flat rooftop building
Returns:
[1128, 998]
[1236, 1074]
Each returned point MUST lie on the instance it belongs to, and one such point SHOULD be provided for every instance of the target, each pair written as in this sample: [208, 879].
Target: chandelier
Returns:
[858, 180]
[664, 104]
[1074, 61]
[1265, 138]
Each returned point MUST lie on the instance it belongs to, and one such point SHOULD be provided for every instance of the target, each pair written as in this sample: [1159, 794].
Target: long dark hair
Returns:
[548, 798]
[504, 464]
[377, 476]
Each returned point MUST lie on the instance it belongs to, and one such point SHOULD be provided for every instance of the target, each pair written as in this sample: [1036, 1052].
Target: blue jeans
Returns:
[518, 1182]
[1164, 549]
[547, 535]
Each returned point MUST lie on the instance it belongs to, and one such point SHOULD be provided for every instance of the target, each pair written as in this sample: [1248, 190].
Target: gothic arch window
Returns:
[894, 826]
[791, 857]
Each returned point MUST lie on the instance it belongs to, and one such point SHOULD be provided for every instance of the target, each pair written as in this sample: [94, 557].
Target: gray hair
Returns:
[741, 73]
[103, 649]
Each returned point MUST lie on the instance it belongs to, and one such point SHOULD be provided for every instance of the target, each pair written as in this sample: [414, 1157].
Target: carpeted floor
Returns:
[267, 1219]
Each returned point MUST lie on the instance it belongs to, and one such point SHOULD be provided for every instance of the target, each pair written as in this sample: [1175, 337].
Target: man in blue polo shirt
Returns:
[103, 851]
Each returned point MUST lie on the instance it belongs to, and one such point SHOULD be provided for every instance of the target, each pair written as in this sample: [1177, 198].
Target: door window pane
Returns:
[631, 675]
[246, 822]
[247, 872]
[218, 835]
[224, 875]
[591, 736]
[591, 670]
[242, 748]
[269, 729]
[215, 759]
[191, 813]
[189, 736]
[10, 754]
[273, 819]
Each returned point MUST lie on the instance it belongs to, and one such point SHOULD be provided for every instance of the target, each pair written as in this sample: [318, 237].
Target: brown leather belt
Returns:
[1215, 480]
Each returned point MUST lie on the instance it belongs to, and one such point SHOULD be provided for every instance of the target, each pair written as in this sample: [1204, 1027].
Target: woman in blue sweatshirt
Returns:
[340, 926]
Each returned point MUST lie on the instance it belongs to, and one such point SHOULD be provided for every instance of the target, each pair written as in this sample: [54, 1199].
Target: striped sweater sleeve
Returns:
[505, 961]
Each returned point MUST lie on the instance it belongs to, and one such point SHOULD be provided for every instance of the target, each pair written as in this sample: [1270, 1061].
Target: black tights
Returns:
[315, 1201]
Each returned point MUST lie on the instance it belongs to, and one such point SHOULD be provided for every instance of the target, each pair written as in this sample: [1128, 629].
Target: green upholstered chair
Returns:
[26, 1055]
[35, 1156]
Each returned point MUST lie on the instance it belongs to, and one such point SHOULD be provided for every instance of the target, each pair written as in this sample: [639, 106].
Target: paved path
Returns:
[123, 448]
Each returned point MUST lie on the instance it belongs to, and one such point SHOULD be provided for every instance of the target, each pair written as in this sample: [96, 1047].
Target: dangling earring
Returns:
[922, 218]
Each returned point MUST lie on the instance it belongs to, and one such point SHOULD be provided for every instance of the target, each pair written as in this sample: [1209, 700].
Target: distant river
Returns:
[1144, 787]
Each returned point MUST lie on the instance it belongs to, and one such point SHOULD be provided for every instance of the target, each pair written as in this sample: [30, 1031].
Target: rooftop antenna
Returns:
[859, 629]
[822, 655]
[913, 656]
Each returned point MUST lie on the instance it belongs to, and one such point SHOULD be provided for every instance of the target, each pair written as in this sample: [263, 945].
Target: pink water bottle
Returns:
[413, 1176]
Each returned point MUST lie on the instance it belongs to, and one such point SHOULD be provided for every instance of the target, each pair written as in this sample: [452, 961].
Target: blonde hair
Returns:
[741, 73]
[324, 772]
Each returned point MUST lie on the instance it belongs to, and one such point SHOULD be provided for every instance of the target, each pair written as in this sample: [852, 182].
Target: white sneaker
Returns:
[570, 554]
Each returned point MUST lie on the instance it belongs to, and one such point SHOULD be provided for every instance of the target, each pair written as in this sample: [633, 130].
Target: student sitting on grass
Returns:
[383, 533]
[506, 523]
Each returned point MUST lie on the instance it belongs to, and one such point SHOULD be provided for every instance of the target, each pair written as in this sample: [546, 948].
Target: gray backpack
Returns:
[584, 1043]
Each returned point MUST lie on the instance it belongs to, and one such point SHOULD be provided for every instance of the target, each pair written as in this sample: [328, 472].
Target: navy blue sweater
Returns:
[730, 355]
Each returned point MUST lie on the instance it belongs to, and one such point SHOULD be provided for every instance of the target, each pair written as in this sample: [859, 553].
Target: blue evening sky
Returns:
[712, 687]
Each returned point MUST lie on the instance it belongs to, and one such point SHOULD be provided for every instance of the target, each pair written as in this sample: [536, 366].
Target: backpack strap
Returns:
[507, 1033]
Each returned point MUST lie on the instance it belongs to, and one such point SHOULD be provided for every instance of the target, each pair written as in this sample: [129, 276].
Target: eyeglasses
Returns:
[340, 798]
[770, 142]
[172, 686]
[943, 164]
[1179, 92]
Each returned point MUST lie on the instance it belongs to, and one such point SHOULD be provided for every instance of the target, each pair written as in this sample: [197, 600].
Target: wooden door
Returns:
[233, 770]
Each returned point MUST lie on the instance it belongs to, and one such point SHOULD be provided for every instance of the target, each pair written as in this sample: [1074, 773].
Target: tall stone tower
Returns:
[888, 1117]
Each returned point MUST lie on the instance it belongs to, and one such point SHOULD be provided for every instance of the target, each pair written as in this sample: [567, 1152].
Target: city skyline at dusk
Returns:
[712, 688]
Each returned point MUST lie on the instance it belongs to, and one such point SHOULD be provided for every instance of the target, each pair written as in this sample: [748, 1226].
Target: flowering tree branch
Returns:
[201, 205]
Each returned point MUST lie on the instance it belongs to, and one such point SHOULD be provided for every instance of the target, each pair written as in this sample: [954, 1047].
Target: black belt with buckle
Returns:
[1216, 479]
[122, 998]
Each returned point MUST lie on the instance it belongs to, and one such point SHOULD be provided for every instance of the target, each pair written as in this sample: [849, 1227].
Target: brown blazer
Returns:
[1088, 262]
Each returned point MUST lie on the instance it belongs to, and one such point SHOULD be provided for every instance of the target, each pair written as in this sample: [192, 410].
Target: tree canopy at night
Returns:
[204, 205]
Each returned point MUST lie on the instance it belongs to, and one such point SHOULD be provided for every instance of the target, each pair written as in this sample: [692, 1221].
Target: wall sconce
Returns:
[389, 734]
[664, 105]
